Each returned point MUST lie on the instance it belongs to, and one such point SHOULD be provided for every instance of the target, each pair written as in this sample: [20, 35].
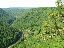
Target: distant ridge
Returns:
[5, 17]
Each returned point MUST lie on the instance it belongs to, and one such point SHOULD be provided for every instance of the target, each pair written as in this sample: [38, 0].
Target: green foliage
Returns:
[5, 17]
[42, 27]
[54, 24]
[8, 35]
[32, 19]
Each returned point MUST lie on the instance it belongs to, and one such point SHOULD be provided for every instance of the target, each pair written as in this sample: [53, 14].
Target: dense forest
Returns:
[41, 27]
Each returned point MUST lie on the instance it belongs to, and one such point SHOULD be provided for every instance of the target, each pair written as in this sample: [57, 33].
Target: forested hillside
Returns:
[8, 34]
[41, 27]
[16, 12]
[5, 17]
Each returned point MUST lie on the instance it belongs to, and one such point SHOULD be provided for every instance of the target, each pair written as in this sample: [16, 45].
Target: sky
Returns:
[27, 3]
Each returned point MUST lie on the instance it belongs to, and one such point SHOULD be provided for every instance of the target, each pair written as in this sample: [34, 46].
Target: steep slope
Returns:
[32, 18]
[5, 17]
[2, 12]
[35, 35]
[16, 12]
[8, 34]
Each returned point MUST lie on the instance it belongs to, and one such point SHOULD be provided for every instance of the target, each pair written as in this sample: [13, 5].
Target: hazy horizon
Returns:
[27, 3]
